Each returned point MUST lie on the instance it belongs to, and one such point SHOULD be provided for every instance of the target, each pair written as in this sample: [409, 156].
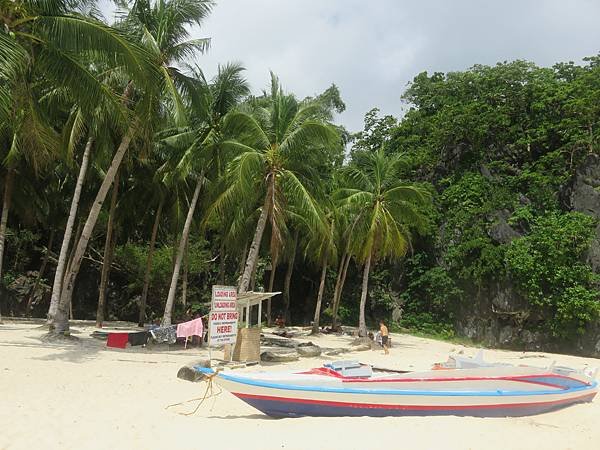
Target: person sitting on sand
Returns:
[384, 336]
[280, 322]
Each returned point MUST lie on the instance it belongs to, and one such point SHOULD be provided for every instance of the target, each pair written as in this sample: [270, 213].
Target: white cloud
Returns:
[371, 49]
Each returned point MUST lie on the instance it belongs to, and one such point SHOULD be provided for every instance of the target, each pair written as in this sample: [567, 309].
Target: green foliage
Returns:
[131, 258]
[546, 266]
[430, 289]
[426, 324]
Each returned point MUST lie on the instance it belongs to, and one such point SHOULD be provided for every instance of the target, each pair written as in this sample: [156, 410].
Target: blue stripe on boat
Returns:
[497, 393]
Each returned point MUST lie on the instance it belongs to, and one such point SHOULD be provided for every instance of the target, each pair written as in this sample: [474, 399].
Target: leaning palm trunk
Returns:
[144, 298]
[186, 266]
[336, 289]
[108, 253]
[182, 244]
[60, 323]
[338, 299]
[64, 248]
[362, 323]
[288, 280]
[315, 327]
[255, 246]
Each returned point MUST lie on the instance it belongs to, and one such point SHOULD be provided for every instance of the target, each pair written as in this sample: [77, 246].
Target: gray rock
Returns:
[335, 351]
[506, 335]
[309, 351]
[361, 347]
[501, 231]
[583, 195]
[279, 356]
[485, 172]
[188, 372]
[276, 341]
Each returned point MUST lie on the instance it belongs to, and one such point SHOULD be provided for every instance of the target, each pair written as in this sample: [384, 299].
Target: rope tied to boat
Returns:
[208, 393]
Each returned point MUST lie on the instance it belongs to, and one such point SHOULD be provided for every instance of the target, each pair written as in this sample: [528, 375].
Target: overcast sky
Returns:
[372, 48]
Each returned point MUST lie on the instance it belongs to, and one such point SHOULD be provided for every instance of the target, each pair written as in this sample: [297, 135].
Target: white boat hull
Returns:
[489, 392]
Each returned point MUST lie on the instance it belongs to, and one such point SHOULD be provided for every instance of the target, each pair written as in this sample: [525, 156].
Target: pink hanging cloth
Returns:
[191, 328]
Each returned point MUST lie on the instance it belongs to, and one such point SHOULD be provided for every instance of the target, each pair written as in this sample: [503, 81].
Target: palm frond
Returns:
[245, 129]
[188, 49]
[79, 35]
[13, 58]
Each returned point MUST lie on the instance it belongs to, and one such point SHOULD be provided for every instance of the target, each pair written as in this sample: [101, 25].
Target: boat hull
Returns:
[288, 407]
[312, 396]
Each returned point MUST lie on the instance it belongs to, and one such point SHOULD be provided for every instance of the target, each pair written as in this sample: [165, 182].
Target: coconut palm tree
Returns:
[383, 209]
[55, 42]
[162, 27]
[321, 249]
[203, 155]
[281, 142]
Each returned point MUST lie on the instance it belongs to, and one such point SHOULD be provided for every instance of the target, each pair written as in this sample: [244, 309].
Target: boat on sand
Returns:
[348, 388]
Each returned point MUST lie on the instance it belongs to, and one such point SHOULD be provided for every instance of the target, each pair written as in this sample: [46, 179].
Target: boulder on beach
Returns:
[308, 350]
[189, 373]
[279, 356]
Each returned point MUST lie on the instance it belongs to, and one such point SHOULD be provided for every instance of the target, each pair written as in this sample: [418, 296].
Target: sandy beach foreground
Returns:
[85, 396]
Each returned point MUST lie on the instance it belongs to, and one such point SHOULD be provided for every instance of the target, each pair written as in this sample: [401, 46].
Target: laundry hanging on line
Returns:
[165, 334]
[192, 328]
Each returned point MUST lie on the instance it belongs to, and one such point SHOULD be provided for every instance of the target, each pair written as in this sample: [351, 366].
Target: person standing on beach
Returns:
[384, 336]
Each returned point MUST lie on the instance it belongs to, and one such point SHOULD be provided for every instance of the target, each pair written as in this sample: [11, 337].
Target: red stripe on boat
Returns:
[510, 378]
[414, 407]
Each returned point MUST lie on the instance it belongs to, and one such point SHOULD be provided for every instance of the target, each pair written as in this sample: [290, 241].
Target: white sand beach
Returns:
[87, 396]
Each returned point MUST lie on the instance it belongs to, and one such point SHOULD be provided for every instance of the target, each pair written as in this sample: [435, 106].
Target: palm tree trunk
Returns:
[148, 272]
[68, 268]
[317, 317]
[255, 246]
[60, 323]
[108, 246]
[336, 306]
[8, 184]
[336, 289]
[242, 264]
[271, 282]
[186, 264]
[288, 280]
[8, 187]
[222, 262]
[362, 323]
[253, 281]
[41, 272]
[182, 243]
[64, 248]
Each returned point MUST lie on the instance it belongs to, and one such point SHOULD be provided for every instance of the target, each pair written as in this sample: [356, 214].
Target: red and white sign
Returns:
[223, 318]
[223, 327]
[224, 298]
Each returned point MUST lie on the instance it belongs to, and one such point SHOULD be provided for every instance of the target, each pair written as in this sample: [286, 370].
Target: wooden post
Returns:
[249, 310]
[260, 314]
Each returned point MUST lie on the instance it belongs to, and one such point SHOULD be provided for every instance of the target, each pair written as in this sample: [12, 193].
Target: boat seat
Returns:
[358, 372]
[351, 369]
[342, 364]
